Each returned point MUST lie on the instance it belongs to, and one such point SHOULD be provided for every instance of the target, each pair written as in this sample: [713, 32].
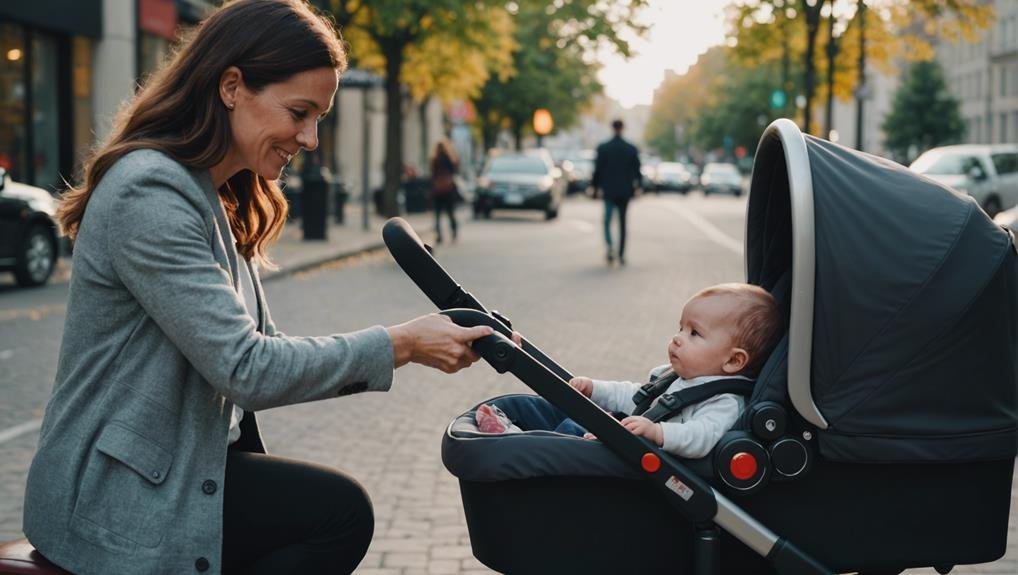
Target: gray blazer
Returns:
[157, 349]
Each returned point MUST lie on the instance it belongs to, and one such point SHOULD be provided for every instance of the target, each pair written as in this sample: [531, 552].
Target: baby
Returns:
[726, 331]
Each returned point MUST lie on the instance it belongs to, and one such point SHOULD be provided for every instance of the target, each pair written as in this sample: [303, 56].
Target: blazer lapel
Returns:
[222, 242]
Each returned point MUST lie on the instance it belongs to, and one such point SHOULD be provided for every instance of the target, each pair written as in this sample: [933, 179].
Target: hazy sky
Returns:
[680, 30]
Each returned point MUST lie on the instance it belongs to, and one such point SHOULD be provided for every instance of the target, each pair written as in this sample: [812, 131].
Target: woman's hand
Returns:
[435, 341]
[584, 385]
[639, 425]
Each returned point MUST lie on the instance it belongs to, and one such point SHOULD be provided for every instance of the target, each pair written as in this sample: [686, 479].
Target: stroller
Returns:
[881, 433]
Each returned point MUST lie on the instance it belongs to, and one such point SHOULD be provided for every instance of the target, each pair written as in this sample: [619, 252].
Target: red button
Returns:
[743, 465]
[650, 462]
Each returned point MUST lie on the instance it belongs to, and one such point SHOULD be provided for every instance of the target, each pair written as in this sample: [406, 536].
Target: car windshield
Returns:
[722, 169]
[666, 168]
[944, 164]
[516, 165]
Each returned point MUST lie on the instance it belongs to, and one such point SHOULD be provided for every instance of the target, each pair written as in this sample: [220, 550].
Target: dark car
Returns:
[28, 234]
[519, 181]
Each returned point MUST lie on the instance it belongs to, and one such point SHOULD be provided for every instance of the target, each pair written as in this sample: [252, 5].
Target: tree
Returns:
[679, 103]
[895, 29]
[553, 64]
[924, 113]
[387, 31]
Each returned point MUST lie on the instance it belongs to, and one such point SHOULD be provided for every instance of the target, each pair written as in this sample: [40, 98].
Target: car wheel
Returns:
[991, 206]
[37, 258]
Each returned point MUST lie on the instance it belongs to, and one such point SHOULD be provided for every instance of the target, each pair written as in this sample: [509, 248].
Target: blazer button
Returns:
[202, 564]
[208, 487]
[156, 475]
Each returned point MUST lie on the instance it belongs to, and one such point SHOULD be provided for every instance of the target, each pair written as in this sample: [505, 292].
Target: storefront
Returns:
[45, 87]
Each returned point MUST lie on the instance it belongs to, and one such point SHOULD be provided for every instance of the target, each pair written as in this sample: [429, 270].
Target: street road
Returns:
[548, 277]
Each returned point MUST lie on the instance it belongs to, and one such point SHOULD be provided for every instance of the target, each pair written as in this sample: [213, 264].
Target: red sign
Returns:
[158, 17]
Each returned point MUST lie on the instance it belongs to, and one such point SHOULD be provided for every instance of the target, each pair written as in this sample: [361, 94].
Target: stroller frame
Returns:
[980, 526]
[697, 501]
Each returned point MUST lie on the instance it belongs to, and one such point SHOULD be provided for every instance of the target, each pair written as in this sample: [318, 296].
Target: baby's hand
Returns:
[639, 425]
[584, 385]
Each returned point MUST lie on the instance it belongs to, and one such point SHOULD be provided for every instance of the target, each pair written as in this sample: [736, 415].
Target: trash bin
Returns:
[418, 195]
[315, 203]
[340, 196]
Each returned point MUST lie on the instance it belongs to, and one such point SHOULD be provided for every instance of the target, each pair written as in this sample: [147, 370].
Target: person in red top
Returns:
[444, 166]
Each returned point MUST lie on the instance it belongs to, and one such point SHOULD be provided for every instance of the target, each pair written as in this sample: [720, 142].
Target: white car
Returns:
[988, 173]
[720, 177]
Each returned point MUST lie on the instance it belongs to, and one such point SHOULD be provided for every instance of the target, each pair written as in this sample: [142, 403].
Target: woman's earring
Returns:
[229, 107]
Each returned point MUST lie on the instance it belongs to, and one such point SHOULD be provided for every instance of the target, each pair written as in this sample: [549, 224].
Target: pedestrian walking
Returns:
[150, 459]
[617, 178]
[444, 166]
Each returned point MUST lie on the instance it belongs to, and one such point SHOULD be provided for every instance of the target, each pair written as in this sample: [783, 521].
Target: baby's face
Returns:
[704, 342]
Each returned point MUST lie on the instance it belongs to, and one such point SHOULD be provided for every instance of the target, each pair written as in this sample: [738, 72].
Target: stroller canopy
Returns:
[906, 346]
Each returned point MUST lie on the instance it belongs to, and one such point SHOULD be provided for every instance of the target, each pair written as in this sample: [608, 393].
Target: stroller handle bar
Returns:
[416, 260]
[800, 323]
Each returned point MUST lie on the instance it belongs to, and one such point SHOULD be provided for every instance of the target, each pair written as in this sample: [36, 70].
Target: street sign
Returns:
[778, 99]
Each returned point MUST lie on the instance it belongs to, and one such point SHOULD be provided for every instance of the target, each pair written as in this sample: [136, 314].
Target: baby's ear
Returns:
[737, 361]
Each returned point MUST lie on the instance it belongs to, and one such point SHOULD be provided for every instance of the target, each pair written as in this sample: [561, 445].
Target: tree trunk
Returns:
[518, 134]
[393, 53]
[860, 90]
[832, 54]
[809, 62]
[425, 136]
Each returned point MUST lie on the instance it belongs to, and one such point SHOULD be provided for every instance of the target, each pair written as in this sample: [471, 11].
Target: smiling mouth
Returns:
[284, 154]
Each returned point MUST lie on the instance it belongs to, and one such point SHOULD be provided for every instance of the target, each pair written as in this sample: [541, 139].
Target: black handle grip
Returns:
[410, 253]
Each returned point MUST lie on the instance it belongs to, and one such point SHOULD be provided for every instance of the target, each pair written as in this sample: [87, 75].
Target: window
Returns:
[13, 139]
[1005, 162]
[45, 112]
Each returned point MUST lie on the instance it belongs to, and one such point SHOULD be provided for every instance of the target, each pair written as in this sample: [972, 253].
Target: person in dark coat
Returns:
[617, 177]
[444, 166]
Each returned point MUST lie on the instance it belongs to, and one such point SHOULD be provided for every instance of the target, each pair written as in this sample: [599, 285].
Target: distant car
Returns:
[721, 178]
[673, 176]
[29, 246]
[519, 181]
[988, 173]
[583, 171]
[648, 171]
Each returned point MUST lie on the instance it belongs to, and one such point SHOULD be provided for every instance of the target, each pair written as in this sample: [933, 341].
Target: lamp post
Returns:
[542, 125]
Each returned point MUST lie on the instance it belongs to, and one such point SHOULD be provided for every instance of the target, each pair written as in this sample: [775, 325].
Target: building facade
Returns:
[984, 77]
[67, 67]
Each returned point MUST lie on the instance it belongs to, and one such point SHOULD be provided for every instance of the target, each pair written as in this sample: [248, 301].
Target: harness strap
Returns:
[648, 392]
[672, 403]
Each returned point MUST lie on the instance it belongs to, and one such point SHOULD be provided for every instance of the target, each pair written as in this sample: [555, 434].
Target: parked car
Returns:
[673, 176]
[29, 246]
[519, 181]
[988, 173]
[720, 177]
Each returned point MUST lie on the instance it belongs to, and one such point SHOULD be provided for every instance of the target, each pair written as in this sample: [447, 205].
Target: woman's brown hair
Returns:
[179, 111]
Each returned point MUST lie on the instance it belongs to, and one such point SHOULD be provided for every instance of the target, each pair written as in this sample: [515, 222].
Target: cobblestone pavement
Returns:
[549, 277]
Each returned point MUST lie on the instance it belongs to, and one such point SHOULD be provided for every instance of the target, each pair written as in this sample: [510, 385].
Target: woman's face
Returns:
[269, 127]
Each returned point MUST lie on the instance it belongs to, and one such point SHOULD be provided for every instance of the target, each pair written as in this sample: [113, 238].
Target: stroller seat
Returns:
[541, 502]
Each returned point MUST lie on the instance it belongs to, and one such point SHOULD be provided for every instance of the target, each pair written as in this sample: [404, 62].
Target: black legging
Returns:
[444, 203]
[286, 516]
